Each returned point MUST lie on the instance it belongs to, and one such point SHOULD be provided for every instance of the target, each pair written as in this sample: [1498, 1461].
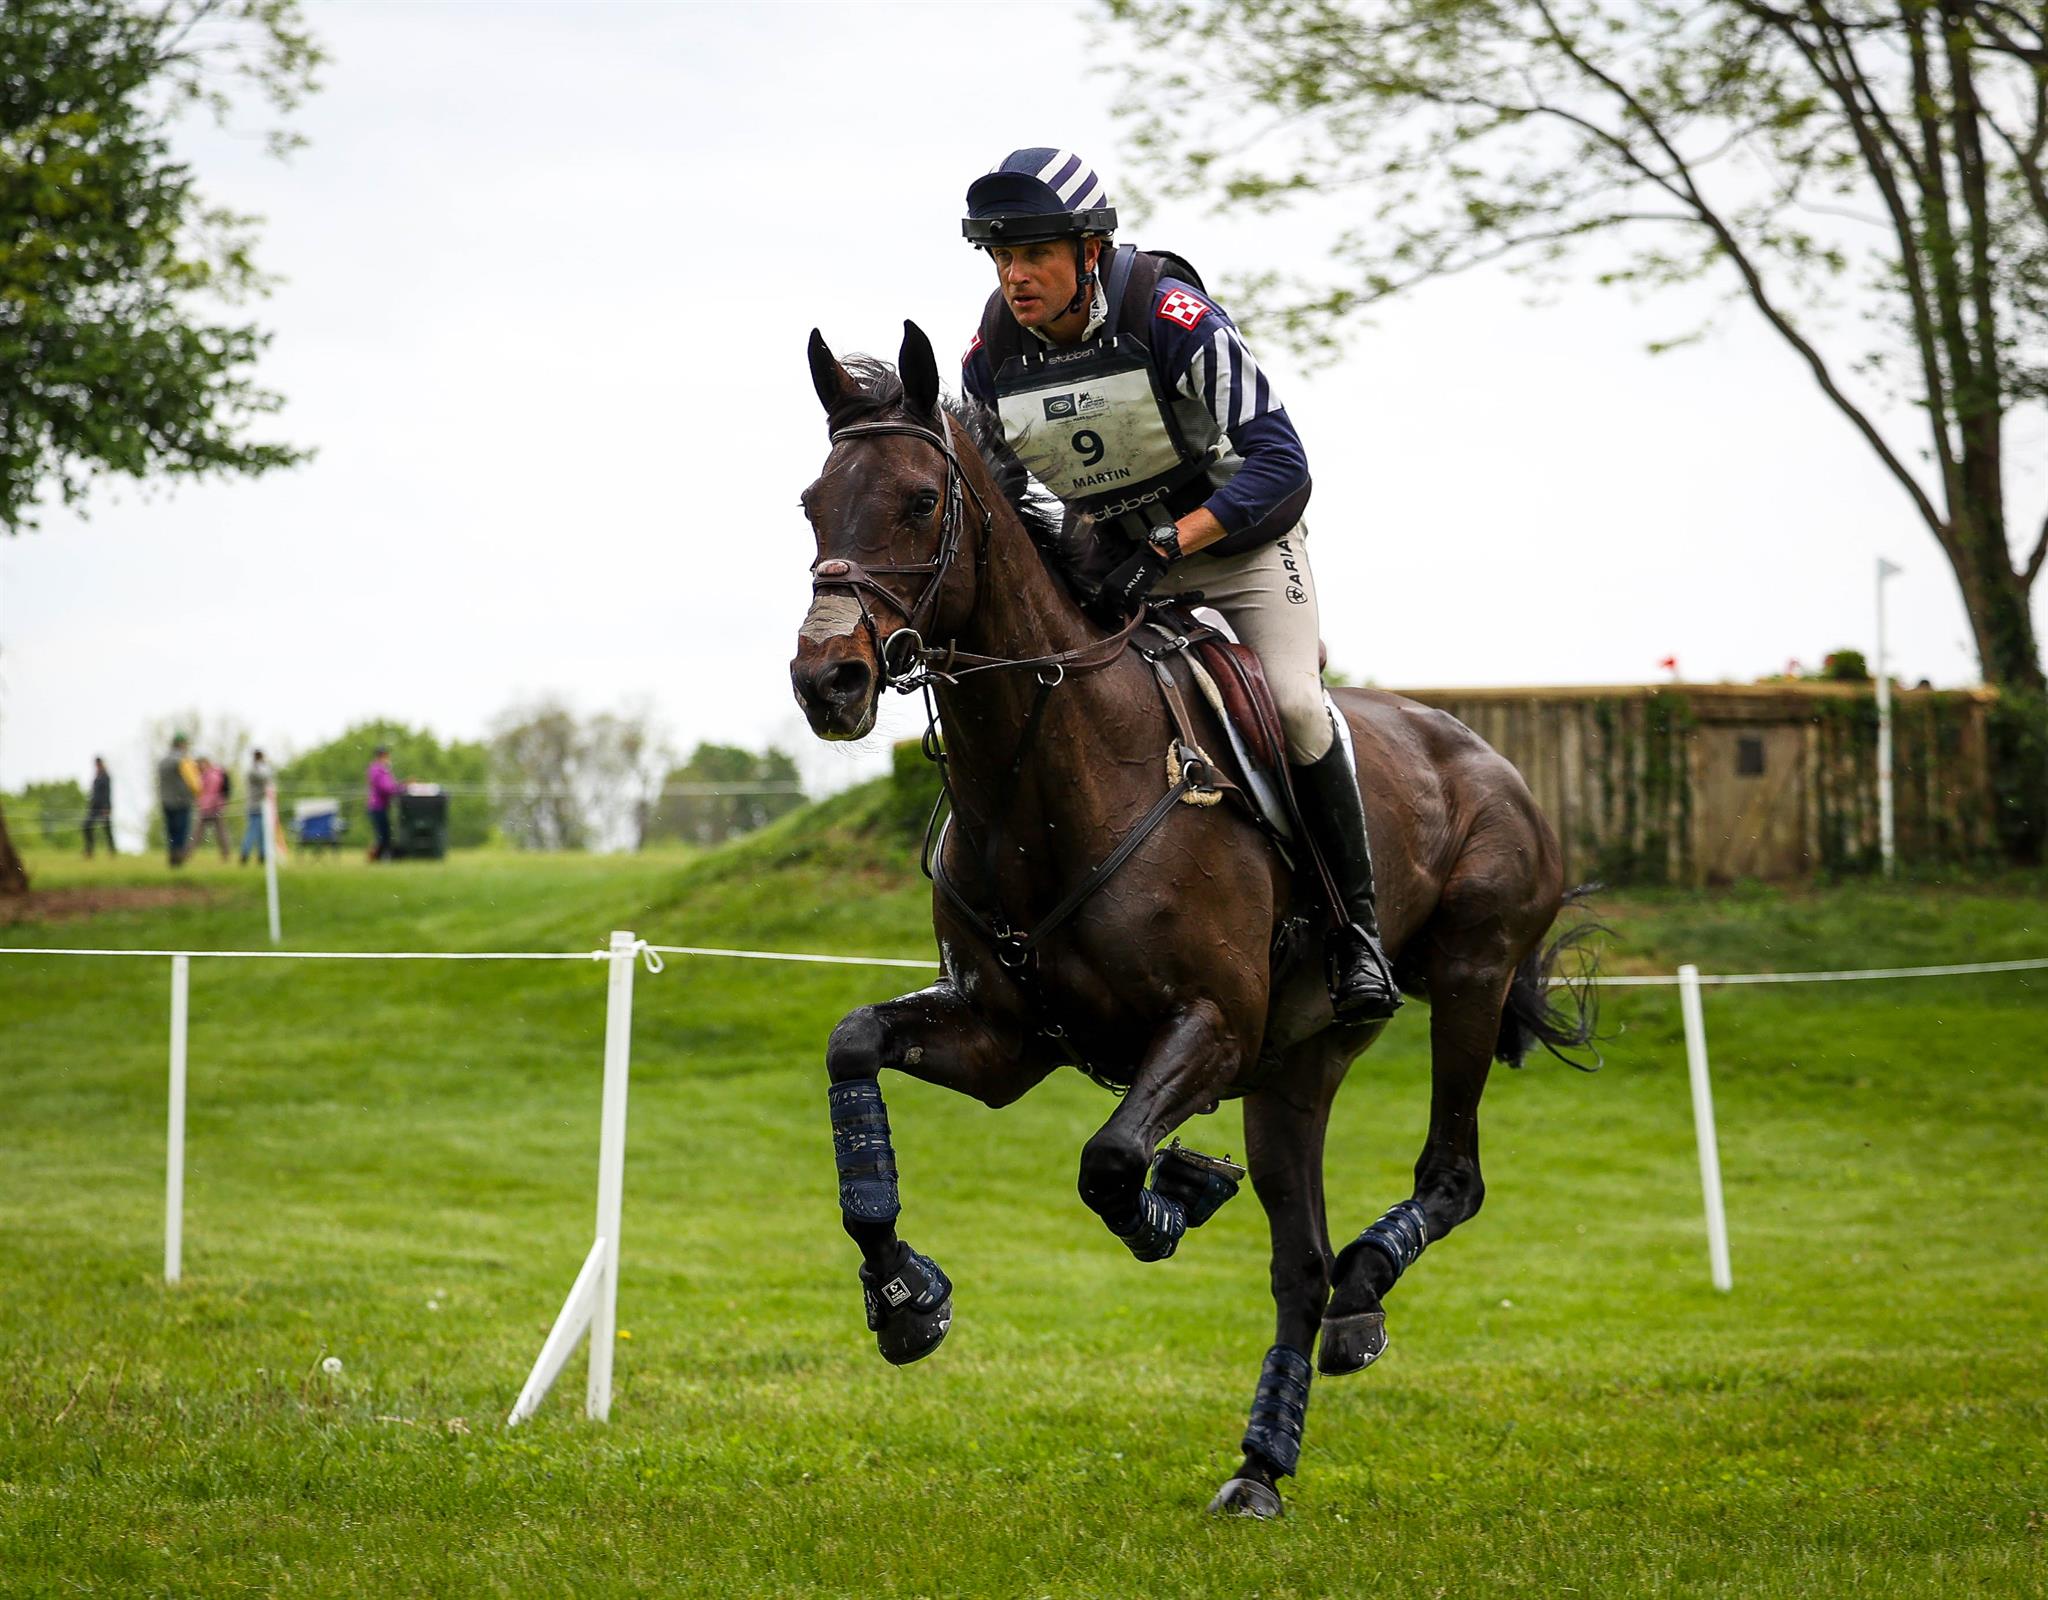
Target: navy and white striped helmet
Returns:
[1034, 195]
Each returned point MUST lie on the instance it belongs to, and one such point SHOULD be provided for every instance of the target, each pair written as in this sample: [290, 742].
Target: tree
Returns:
[337, 768]
[1800, 152]
[623, 758]
[536, 765]
[723, 791]
[54, 809]
[109, 363]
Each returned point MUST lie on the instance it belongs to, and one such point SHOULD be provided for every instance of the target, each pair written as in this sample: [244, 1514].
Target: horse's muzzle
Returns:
[837, 686]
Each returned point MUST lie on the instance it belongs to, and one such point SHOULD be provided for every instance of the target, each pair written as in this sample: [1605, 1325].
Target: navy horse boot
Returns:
[909, 1308]
[1354, 1332]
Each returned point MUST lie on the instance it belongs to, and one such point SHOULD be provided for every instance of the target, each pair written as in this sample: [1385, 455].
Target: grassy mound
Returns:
[393, 1165]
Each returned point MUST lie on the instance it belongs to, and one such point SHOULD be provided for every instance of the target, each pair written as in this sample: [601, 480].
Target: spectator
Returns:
[256, 836]
[177, 786]
[214, 790]
[381, 787]
[99, 807]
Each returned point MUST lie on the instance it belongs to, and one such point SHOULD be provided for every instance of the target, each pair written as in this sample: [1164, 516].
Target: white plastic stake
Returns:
[611, 1169]
[593, 1303]
[561, 1340]
[174, 1149]
[1703, 1125]
[270, 860]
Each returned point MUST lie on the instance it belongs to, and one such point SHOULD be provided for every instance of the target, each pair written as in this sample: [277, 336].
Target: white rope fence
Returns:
[592, 1305]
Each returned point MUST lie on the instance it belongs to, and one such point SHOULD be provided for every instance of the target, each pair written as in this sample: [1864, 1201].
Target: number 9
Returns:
[1089, 443]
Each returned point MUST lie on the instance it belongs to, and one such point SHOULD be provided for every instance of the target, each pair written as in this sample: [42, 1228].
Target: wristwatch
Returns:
[1166, 540]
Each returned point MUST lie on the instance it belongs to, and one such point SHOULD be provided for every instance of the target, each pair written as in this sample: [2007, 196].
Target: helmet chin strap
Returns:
[1084, 279]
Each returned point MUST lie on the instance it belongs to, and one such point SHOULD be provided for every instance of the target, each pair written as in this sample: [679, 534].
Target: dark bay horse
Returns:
[1167, 982]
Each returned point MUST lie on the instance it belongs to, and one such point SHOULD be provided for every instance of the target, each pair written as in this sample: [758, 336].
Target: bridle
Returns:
[908, 662]
[915, 666]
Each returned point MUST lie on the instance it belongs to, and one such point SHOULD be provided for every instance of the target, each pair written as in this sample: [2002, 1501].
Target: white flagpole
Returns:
[1887, 842]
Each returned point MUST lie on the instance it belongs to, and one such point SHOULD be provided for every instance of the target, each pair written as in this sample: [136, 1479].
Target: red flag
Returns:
[1669, 663]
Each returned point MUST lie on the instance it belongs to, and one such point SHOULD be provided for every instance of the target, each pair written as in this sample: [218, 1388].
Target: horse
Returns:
[1168, 975]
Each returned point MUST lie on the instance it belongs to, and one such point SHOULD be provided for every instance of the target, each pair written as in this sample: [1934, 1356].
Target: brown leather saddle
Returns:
[1242, 701]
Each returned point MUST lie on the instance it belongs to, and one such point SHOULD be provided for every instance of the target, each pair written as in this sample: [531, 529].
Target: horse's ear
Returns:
[920, 370]
[834, 384]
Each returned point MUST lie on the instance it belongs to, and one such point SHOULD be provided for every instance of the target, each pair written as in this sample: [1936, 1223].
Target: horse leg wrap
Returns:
[1279, 1410]
[1160, 1221]
[860, 1145]
[1355, 1323]
[1401, 1235]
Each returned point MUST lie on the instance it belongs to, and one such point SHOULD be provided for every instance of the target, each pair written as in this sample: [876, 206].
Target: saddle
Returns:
[1232, 680]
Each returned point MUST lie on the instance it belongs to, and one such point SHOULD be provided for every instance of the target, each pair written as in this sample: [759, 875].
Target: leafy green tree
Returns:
[110, 360]
[55, 809]
[1801, 153]
[723, 791]
[335, 769]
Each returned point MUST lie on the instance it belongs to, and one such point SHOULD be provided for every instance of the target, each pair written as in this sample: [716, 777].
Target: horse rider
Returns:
[1131, 396]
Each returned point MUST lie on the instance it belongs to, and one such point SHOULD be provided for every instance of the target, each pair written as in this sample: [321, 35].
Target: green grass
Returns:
[395, 1165]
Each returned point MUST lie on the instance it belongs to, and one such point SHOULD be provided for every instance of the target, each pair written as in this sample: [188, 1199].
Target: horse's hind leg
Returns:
[1466, 995]
[1283, 1131]
[936, 1036]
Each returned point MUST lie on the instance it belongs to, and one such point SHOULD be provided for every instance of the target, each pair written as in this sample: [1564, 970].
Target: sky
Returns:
[548, 271]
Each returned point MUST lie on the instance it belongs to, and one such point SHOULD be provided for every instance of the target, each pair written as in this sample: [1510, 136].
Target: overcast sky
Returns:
[549, 271]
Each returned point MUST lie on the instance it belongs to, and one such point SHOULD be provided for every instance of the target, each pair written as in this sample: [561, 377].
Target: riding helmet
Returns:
[1037, 194]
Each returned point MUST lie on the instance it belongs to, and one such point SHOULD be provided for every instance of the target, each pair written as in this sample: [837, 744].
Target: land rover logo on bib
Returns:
[1058, 406]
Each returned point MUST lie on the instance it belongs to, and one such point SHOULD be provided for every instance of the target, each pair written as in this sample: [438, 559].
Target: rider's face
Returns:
[1038, 280]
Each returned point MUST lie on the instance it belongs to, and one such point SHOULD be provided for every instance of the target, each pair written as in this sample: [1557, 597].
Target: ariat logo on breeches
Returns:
[1296, 594]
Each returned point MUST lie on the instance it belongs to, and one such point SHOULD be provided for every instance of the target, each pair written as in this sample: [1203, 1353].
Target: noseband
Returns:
[905, 667]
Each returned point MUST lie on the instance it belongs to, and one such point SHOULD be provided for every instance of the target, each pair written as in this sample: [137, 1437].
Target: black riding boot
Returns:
[1361, 979]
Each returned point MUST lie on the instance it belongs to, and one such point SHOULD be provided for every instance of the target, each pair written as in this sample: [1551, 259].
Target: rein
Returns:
[912, 667]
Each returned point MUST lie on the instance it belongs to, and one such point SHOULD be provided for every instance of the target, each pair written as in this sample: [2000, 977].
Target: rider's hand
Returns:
[1124, 590]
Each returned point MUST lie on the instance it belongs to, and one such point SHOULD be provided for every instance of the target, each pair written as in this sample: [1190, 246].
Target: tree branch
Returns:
[1739, 257]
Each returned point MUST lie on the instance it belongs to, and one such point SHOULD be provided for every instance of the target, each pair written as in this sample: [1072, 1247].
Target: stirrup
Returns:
[1361, 980]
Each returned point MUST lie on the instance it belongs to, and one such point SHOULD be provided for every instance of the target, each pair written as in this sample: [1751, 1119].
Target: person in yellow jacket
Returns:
[177, 786]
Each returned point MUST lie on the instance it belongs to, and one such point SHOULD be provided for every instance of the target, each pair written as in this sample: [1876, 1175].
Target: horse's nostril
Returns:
[848, 680]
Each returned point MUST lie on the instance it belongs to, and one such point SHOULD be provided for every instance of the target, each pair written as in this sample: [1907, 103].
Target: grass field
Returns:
[394, 1165]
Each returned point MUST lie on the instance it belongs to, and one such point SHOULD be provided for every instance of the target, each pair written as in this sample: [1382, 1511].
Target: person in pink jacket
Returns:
[379, 787]
[213, 804]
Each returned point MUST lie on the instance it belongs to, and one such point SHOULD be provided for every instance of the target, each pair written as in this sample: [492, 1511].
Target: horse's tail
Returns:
[1533, 1014]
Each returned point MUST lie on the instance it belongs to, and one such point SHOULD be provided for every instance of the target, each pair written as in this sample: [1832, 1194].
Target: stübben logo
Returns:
[1058, 407]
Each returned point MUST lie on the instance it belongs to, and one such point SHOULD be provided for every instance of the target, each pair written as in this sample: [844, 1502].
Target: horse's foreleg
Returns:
[936, 1036]
[1188, 1065]
[1465, 1008]
[1283, 1133]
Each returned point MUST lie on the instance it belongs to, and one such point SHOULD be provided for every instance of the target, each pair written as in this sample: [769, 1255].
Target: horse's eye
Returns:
[924, 503]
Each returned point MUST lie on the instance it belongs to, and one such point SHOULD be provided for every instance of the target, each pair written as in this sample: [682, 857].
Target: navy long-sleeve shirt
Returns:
[1225, 406]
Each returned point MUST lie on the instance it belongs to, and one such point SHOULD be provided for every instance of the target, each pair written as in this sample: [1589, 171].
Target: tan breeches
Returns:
[1268, 596]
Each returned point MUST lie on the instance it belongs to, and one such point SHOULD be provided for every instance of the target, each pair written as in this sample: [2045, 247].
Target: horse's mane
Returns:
[881, 395]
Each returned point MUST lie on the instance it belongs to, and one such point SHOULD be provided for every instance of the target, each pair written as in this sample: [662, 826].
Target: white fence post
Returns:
[593, 1302]
[1703, 1125]
[270, 859]
[611, 1169]
[174, 1144]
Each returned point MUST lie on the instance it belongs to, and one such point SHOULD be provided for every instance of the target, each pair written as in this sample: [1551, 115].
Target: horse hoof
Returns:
[1351, 1344]
[912, 1335]
[1247, 1497]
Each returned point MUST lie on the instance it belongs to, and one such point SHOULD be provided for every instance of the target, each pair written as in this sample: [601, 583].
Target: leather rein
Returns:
[913, 667]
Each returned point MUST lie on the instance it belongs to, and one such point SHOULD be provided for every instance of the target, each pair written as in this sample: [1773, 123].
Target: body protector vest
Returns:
[1095, 423]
